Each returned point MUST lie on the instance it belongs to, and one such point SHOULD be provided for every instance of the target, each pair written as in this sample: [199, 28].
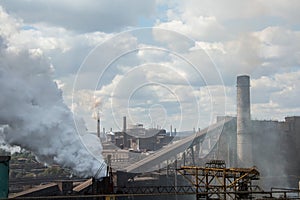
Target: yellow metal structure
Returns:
[215, 181]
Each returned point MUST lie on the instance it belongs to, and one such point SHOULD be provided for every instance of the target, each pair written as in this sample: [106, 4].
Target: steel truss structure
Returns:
[215, 181]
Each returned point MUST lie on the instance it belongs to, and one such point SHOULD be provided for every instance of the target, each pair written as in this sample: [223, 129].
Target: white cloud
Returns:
[194, 26]
[262, 88]
[242, 55]
[9, 25]
[276, 96]
[65, 49]
[287, 11]
[280, 46]
[210, 46]
[231, 9]
[214, 21]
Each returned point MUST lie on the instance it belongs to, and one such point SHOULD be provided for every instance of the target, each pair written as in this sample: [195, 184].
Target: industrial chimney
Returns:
[124, 124]
[244, 137]
[98, 125]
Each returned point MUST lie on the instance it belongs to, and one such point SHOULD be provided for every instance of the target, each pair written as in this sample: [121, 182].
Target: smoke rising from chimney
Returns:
[36, 118]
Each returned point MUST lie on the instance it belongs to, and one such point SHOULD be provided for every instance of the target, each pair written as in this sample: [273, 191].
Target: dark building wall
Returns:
[268, 151]
[275, 150]
[292, 148]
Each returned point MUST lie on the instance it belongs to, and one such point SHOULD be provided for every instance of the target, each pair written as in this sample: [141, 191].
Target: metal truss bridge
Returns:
[192, 150]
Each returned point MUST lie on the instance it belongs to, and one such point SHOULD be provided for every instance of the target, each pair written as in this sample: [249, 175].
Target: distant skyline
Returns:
[162, 62]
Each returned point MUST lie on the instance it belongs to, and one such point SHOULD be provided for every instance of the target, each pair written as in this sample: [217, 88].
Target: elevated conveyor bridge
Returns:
[197, 146]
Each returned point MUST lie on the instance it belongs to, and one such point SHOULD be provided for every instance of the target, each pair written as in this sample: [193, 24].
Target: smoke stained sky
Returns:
[260, 38]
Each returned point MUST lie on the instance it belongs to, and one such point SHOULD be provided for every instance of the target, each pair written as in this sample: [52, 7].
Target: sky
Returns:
[162, 63]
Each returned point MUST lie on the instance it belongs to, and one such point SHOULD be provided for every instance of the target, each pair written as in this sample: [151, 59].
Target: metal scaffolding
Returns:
[215, 181]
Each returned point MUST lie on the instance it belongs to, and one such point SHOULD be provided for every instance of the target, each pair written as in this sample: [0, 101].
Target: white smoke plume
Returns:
[36, 118]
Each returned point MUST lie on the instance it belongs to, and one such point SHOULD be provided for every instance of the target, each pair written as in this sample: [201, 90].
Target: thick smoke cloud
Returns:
[36, 118]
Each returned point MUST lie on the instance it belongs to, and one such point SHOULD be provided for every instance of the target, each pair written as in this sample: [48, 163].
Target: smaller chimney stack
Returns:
[124, 124]
[98, 125]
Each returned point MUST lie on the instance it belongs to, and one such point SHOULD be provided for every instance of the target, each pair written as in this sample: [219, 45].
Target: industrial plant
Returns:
[235, 158]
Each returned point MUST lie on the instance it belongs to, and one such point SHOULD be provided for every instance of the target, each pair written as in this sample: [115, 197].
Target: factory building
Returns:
[269, 145]
[139, 139]
[274, 150]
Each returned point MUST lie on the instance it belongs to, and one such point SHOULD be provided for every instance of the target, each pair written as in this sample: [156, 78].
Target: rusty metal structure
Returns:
[215, 181]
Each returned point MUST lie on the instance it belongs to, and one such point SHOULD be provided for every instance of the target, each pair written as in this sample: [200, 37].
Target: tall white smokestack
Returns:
[244, 137]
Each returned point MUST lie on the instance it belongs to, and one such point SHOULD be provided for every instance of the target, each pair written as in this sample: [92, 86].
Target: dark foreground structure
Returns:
[212, 181]
[4, 176]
